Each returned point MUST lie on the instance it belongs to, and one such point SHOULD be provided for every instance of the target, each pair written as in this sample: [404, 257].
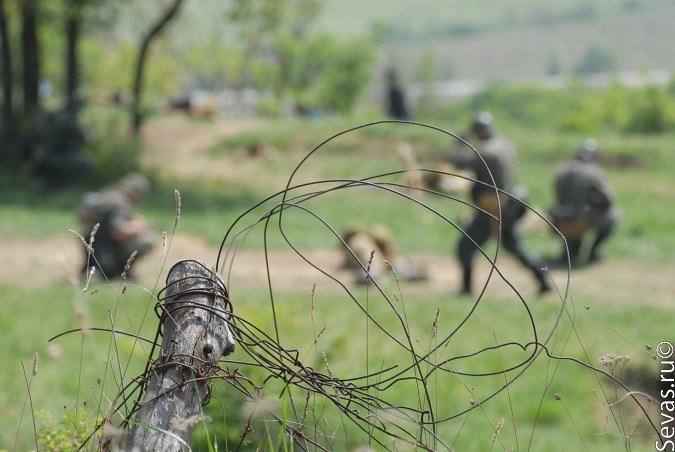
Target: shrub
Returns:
[649, 113]
[322, 73]
[65, 434]
[113, 152]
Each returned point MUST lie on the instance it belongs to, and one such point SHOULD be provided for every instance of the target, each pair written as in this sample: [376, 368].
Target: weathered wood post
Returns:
[196, 335]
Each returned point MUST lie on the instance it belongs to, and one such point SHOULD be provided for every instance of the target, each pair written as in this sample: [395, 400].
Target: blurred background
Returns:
[221, 100]
[319, 57]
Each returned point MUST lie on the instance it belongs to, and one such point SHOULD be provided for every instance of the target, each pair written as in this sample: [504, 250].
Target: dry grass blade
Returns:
[368, 401]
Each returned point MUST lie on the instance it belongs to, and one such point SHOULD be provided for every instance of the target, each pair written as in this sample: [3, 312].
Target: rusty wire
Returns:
[364, 400]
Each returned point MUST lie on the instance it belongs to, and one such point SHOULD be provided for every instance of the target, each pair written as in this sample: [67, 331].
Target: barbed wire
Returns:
[370, 400]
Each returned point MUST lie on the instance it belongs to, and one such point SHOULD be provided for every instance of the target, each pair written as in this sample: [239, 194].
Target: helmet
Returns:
[589, 150]
[481, 126]
[135, 185]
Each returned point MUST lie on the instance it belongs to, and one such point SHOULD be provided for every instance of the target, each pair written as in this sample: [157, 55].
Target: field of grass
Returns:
[555, 404]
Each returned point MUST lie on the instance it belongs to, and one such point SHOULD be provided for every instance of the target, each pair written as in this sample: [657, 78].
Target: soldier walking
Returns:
[496, 157]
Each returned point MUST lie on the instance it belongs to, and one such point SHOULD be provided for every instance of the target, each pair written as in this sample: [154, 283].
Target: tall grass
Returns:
[555, 402]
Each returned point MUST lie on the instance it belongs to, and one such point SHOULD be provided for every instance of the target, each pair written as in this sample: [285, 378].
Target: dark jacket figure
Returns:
[396, 104]
[57, 158]
[500, 161]
[584, 202]
[120, 232]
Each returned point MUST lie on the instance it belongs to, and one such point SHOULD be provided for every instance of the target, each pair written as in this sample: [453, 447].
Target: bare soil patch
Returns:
[179, 148]
[176, 147]
[57, 259]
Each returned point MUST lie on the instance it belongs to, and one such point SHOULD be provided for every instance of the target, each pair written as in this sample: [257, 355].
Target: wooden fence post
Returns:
[196, 336]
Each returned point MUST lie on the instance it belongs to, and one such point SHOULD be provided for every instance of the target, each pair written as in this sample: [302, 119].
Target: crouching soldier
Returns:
[119, 232]
[585, 203]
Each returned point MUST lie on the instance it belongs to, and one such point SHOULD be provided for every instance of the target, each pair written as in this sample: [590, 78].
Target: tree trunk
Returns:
[72, 30]
[154, 31]
[196, 335]
[31, 57]
[9, 148]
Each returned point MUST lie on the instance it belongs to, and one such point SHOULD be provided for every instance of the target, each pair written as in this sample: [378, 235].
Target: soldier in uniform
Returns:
[120, 232]
[584, 202]
[499, 160]
[396, 103]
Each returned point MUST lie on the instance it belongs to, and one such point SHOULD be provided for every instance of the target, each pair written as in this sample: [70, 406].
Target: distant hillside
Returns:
[491, 40]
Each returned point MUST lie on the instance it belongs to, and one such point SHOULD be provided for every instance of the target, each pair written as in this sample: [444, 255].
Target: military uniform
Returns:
[112, 209]
[499, 160]
[585, 202]
[396, 105]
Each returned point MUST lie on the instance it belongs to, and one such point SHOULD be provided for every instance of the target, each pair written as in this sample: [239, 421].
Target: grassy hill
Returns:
[496, 40]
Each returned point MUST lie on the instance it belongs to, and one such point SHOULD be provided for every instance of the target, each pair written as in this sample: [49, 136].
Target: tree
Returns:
[321, 72]
[153, 32]
[271, 28]
[31, 56]
[8, 132]
[72, 31]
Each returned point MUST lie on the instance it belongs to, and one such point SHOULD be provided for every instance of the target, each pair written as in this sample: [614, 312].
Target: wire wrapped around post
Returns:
[194, 313]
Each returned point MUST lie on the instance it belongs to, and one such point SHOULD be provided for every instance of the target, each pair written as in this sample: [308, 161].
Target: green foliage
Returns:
[215, 66]
[582, 113]
[65, 434]
[269, 108]
[345, 74]
[164, 75]
[278, 139]
[227, 419]
[546, 126]
[52, 43]
[577, 109]
[260, 19]
[113, 152]
[651, 112]
[257, 16]
[113, 69]
[523, 104]
[321, 73]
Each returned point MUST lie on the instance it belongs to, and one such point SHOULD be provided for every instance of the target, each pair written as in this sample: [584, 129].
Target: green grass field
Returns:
[554, 405]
